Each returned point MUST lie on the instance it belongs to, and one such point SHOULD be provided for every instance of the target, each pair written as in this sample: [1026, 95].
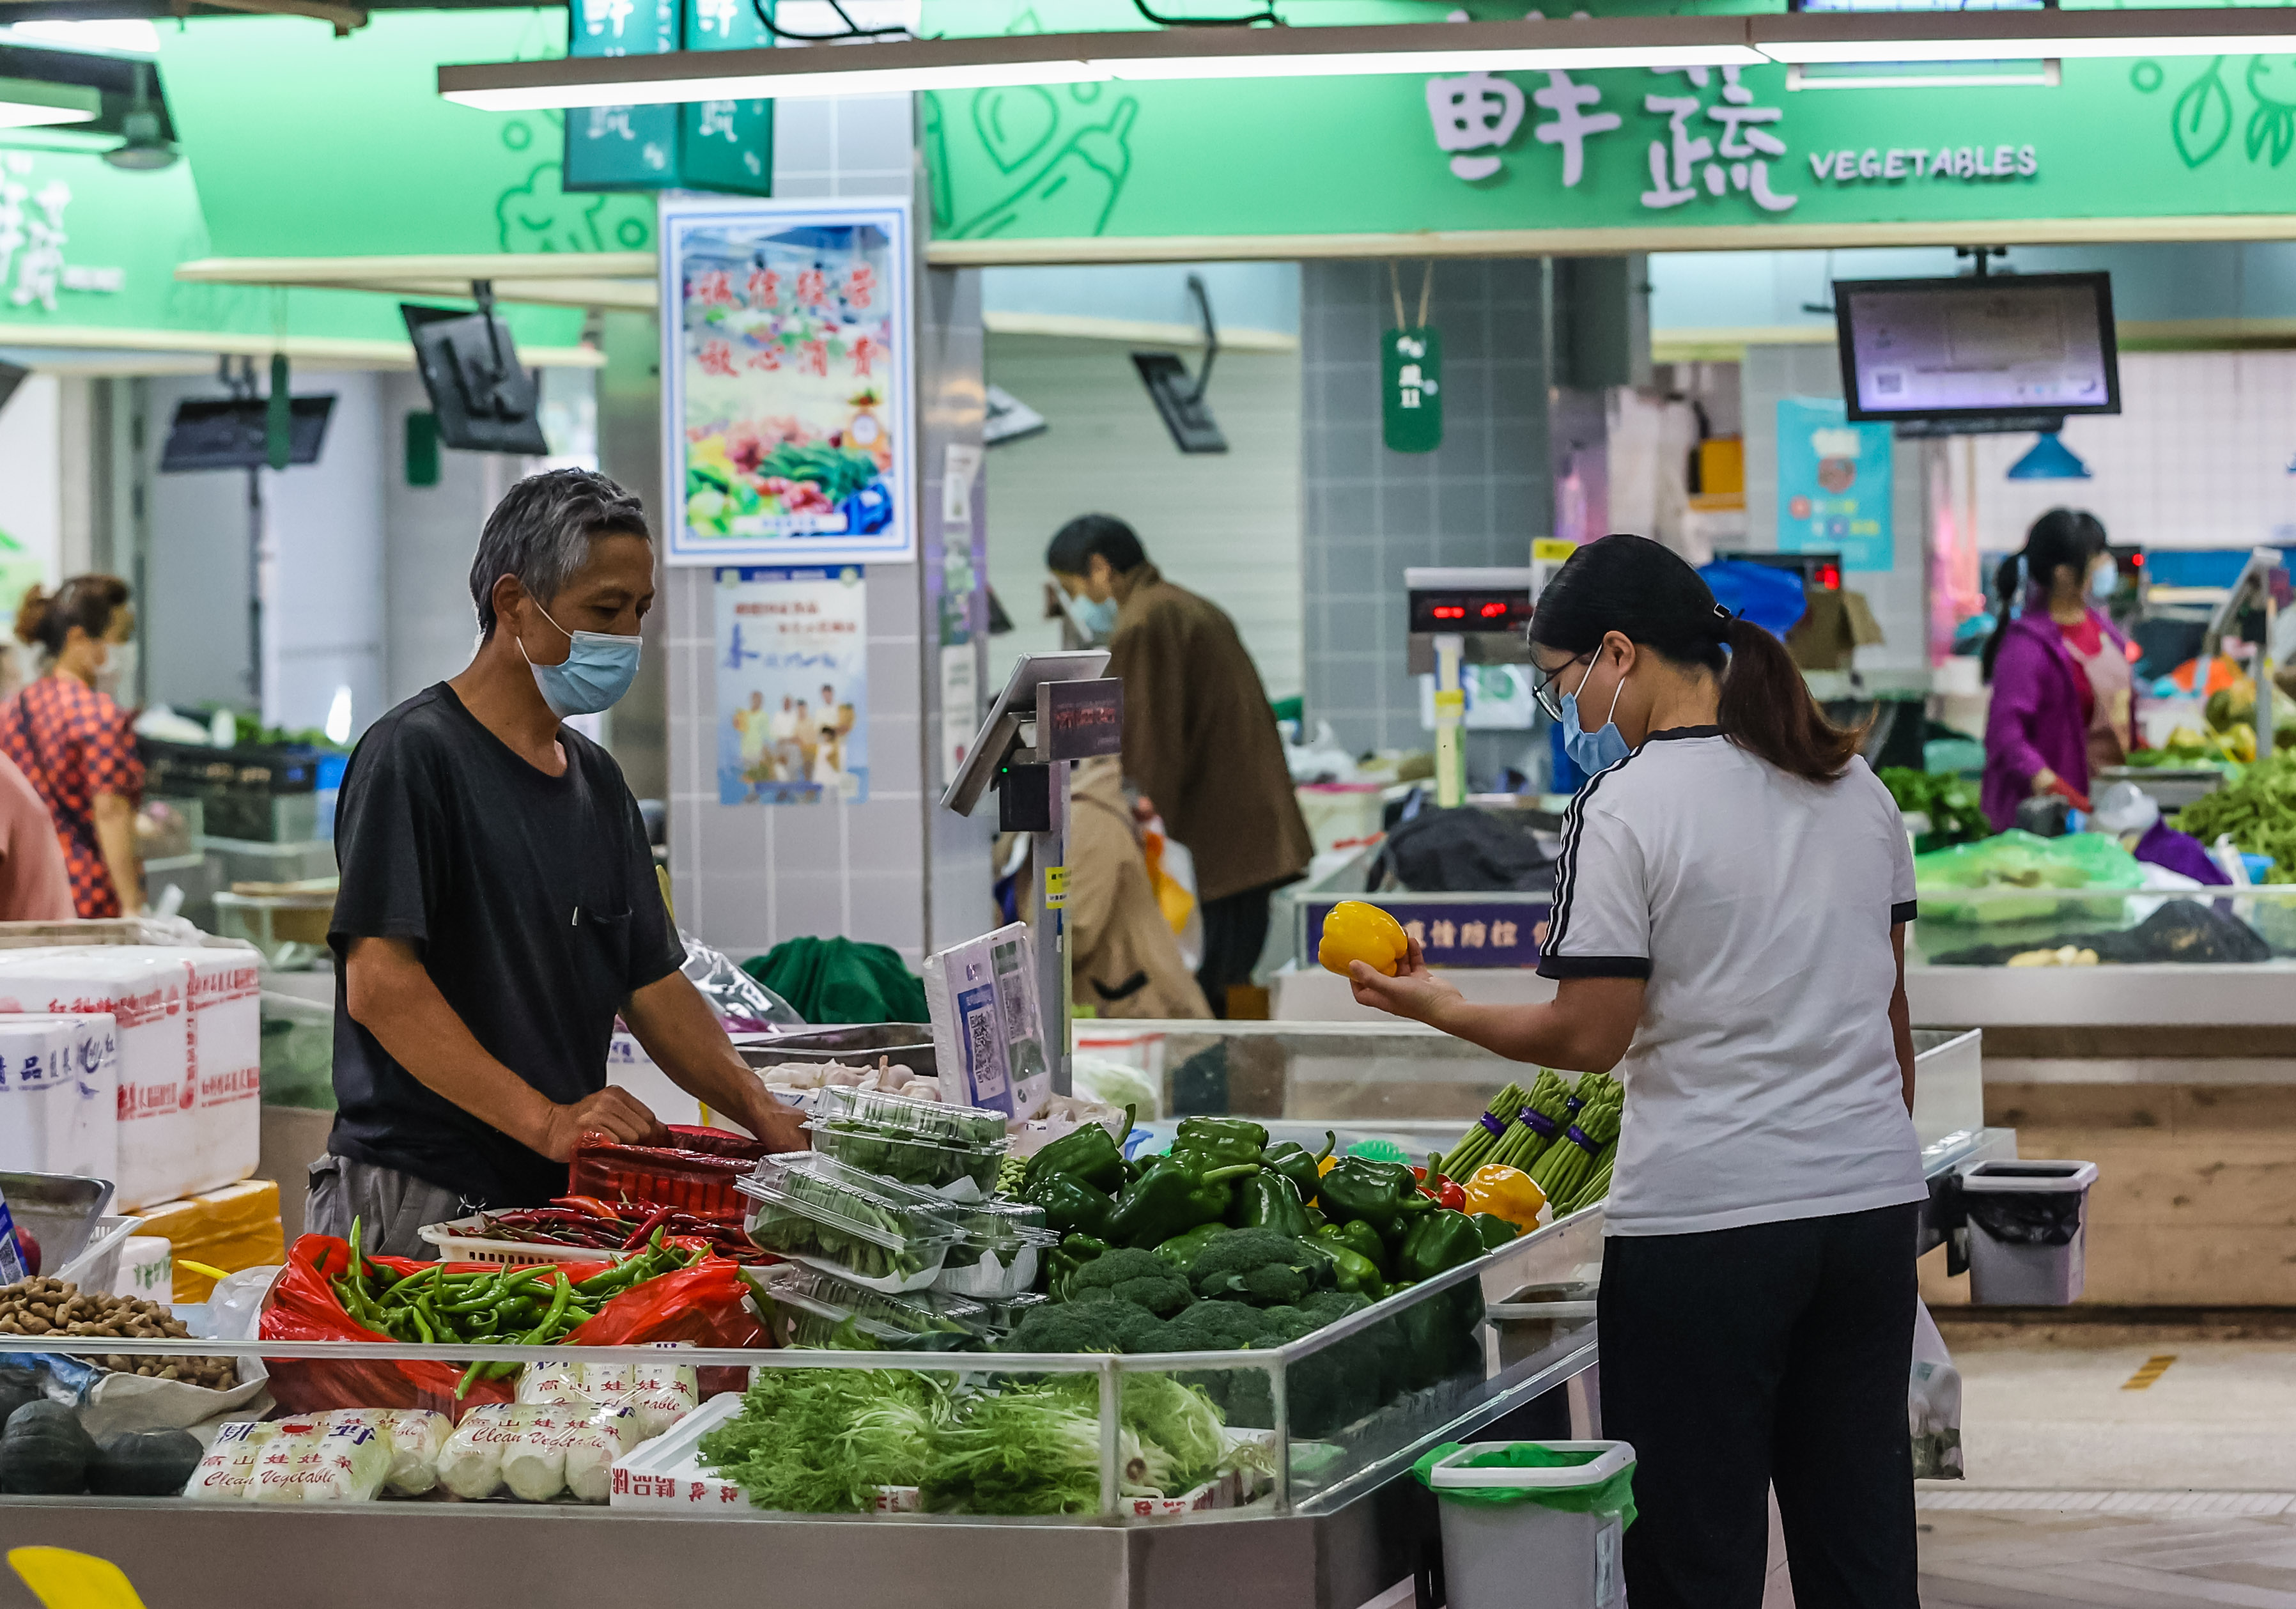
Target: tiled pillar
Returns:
[1480, 499]
[896, 869]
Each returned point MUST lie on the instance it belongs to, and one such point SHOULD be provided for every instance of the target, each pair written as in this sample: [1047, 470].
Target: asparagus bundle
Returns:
[1540, 1121]
[1474, 1146]
[1563, 1170]
[1597, 1188]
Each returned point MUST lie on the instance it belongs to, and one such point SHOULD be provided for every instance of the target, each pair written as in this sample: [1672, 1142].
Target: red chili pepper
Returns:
[644, 1231]
[1452, 1196]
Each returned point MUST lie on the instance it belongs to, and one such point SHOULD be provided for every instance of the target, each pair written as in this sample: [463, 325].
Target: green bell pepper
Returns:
[1294, 1162]
[1383, 1194]
[1063, 1261]
[1493, 1230]
[1174, 1195]
[1352, 1272]
[1181, 1249]
[1360, 1238]
[1439, 1243]
[1269, 1201]
[1090, 1154]
[1072, 1206]
[1220, 1142]
[1440, 1332]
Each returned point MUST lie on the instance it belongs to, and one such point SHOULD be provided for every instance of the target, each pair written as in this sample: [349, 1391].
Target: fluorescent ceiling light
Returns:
[1148, 54]
[122, 35]
[32, 103]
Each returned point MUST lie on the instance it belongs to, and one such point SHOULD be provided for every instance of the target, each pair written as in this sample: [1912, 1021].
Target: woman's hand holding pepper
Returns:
[1414, 991]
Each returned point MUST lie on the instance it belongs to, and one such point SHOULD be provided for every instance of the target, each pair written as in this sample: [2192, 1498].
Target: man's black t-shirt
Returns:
[533, 903]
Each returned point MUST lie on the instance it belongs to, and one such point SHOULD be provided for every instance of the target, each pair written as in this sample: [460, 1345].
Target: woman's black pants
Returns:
[1773, 1354]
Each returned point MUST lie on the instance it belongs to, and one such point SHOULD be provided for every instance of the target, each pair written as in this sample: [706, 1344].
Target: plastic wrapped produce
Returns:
[536, 1452]
[662, 1393]
[888, 1235]
[319, 1461]
[470, 1465]
[229, 1464]
[1002, 1243]
[821, 1309]
[952, 1151]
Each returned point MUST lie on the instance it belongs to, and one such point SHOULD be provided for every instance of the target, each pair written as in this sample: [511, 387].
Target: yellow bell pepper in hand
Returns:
[1507, 1193]
[1355, 930]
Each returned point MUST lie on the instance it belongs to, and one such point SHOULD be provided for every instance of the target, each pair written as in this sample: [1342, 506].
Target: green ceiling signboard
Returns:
[349, 152]
[1730, 152]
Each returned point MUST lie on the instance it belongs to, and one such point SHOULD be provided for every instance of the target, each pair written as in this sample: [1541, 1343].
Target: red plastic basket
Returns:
[697, 1173]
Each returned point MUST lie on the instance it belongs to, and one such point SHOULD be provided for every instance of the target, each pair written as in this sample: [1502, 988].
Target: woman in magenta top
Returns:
[72, 741]
[2064, 702]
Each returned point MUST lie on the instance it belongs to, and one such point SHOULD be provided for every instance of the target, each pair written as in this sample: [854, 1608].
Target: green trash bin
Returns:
[1532, 1524]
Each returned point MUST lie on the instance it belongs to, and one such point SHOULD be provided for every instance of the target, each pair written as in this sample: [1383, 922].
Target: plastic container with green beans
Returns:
[888, 1235]
[820, 1309]
[1004, 1241]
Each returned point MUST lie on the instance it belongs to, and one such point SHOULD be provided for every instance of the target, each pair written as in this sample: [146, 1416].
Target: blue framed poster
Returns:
[788, 375]
[1833, 483]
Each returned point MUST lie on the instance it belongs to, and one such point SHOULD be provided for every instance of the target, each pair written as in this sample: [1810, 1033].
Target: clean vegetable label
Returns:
[1411, 389]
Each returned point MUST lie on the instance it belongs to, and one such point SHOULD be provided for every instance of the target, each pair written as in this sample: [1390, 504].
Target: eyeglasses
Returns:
[1544, 690]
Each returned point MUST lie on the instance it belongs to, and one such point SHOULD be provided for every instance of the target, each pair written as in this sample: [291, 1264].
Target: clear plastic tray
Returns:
[816, 1305]
[938, 1122]
[884, 1234]
[959, 1171]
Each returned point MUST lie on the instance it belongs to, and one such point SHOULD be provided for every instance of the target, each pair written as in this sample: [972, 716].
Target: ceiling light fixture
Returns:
[1531, 44]
[34, 103]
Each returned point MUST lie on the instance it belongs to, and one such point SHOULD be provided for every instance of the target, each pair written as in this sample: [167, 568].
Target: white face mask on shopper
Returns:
[117, 675]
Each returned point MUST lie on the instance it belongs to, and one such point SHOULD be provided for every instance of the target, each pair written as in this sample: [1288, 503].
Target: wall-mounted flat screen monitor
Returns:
[1941, 349]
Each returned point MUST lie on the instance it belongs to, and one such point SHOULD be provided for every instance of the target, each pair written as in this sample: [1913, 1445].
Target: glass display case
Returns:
[2012, 926]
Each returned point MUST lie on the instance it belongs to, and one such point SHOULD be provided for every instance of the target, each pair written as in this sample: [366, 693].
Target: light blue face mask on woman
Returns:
[1592, 751]
[598, 669]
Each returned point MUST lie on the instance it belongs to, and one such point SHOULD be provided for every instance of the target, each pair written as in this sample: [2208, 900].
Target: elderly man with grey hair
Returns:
[499, 905]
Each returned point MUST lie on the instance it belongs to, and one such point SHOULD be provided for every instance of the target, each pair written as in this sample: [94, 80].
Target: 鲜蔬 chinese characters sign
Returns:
[793, 656]
[786, 380]
[1665, 153]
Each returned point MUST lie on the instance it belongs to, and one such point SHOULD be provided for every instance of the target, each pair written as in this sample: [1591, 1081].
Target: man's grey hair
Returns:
[541, 533]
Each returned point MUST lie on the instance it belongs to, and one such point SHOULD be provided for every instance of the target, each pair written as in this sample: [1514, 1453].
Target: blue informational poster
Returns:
[792, 648]
[1833, 483]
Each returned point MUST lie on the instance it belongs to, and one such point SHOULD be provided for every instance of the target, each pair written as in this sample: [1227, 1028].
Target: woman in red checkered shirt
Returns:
[73, 742]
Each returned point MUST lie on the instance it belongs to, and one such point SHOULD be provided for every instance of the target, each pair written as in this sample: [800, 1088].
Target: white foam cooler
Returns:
[59, 1095]
[187, 1121]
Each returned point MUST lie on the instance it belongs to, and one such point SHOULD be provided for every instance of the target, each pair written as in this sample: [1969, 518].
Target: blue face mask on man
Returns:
[1096, 619]
[598, 669]
[1592, 751]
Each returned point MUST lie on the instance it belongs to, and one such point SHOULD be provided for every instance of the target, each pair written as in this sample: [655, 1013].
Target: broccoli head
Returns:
[1066, 1327]
[1139, 1277]
[1257, 1266]
[1215, 1326]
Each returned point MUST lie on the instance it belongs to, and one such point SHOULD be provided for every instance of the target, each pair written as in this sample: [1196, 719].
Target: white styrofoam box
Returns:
[629, 1067]
[147, 1269]
[227, 1034]
[148, 994]
[59, 1095]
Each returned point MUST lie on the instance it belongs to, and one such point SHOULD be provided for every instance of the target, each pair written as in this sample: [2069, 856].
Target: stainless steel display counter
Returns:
[1344, 1521]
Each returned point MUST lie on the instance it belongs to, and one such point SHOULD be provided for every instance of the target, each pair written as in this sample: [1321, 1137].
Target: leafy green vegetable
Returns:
[2258, 809]
[1951, 804]
[822, 1441]
[1031, 1451]
[839, 471]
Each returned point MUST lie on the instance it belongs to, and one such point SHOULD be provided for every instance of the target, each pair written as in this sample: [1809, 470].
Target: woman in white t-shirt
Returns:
[1728, 931]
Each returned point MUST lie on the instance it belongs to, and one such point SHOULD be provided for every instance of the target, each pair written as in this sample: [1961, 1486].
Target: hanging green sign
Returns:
[1411, 389]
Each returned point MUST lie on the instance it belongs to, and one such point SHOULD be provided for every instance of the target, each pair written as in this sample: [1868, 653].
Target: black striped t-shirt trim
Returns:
[1904, 910]
[1566, 870]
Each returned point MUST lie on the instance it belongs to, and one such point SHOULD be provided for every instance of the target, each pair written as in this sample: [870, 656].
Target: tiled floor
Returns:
[2083, 1492]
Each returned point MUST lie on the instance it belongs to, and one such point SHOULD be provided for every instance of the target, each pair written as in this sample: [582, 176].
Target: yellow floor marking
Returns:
[2154, 1367]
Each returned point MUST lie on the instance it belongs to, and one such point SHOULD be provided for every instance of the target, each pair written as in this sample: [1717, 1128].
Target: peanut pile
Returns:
[51, 1307]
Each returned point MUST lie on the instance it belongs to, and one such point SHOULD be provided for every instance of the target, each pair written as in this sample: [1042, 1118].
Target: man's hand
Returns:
[1414, 991]
[683, 1036]
[781, 1127]
[611, 1111]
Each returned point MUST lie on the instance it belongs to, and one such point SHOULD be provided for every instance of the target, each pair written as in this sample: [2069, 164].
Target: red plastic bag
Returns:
[705, 1304]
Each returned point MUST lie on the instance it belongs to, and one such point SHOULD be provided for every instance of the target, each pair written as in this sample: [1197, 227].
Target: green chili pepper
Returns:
[1351, 1271]
[1269, 1201]
[1220, 1142]
[1181, 1250]
[1174, 1195]
[1091, 1155]
[1360, 1238]
[1070, 1205]
[1064, 1259]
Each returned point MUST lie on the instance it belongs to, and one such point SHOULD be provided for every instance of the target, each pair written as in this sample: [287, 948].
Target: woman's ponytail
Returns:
[1767, 709]
[2004, 599]
[32, 614]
